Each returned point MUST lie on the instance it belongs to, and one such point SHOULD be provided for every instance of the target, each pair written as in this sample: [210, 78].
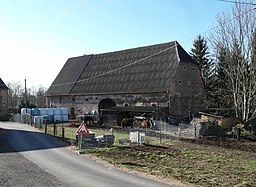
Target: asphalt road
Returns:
[54, 157]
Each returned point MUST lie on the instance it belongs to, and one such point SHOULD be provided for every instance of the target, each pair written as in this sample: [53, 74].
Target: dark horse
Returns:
[127, 122]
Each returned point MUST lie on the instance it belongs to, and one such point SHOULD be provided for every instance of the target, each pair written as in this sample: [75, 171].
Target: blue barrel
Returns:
[35, 112]
[51, 118]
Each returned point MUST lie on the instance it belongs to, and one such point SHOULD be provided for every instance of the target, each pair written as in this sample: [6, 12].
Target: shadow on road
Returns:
[12, 140]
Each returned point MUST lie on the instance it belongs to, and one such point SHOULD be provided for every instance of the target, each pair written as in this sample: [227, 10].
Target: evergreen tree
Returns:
[220, 94]
[200, 55]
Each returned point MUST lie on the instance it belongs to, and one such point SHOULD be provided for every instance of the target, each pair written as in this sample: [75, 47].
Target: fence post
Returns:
[31, 121]
[54, 129]
[160, 133]
[63, 133]
[195, 130]
[179, 132]
[45, 128]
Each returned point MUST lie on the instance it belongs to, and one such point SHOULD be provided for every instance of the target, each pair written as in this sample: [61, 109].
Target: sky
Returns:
[38, 36]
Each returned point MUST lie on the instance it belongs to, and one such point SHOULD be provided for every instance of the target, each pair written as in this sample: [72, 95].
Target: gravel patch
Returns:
[16, 170]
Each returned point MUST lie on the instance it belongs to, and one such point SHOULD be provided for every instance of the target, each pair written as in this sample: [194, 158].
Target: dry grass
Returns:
[203, 162]
[190, 163]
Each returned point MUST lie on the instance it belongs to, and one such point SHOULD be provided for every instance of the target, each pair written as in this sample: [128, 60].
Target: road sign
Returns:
[82, 129]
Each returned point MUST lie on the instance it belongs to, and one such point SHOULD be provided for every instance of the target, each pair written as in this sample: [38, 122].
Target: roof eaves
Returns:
[177, 51]
[112, 93]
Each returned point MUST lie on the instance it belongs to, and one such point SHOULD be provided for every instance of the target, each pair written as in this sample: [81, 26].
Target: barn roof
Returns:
[2, 84]
[138, 70]
[68, 75]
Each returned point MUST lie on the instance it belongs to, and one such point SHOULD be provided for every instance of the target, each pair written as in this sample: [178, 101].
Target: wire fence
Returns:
[159, 132]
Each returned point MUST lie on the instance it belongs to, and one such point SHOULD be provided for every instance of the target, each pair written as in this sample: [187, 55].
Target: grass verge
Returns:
[189, 163]
[203, 165]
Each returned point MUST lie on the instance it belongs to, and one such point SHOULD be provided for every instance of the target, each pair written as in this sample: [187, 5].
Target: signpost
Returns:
[82, 129]
[85, 138]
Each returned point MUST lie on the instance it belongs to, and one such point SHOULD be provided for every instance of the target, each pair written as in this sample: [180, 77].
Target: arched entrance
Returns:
[103, 104]
[106, 103]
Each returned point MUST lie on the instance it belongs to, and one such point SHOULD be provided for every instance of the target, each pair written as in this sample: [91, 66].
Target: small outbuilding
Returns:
[221, 120]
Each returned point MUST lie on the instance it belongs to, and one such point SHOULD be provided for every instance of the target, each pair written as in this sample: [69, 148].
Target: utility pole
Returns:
[26, 106]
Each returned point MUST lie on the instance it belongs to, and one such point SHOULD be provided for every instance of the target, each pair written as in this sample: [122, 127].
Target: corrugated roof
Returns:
[137, 70]
[2, 84]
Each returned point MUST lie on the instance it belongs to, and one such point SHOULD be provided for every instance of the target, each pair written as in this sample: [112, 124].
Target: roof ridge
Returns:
[136, 48]
[129, 49]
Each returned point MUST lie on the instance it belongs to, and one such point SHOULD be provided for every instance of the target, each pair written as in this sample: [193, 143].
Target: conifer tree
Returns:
[200, 55]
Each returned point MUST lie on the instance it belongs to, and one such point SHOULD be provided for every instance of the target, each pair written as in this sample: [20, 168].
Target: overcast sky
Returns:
[38, 36]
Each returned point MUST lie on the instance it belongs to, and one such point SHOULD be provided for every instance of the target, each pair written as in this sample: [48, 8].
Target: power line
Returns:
[137, 61]
[237, 2]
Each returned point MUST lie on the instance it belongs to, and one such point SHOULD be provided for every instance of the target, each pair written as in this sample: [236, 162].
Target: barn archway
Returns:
[103, 104]
[106, 103]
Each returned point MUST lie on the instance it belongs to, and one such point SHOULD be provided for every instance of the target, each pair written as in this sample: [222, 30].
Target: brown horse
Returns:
[127, 122]
[145, 124]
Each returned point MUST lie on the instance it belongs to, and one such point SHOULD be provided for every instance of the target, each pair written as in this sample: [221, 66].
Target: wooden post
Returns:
[179, 132]
[54, 129]
[81, 139]
[63, 133]
[45, 128]
[160, 135]
[31, 121]
[195, 130]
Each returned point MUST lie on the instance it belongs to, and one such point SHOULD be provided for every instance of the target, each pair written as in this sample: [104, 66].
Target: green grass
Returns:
[70, 132]
[200, 167]
[187, 162]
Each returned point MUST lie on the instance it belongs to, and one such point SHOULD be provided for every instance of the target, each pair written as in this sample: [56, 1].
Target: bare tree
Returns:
[16, 91]
[40, 96]
[236, 36]
[16, 95]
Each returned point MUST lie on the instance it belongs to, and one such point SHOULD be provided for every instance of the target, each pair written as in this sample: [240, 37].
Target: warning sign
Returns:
[82, 129]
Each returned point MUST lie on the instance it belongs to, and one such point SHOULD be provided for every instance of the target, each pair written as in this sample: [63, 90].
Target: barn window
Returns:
[126, 104]
[180, 82]
[193, 69]
[73, 98]
[197, 83]
[184, 67]
[189, 82]
[153, 104]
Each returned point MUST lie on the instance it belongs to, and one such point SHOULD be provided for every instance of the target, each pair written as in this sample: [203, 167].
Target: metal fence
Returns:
[182, 130]
[159, 132]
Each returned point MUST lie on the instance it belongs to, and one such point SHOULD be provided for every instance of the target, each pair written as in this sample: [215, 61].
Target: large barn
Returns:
[158, 79]
[3, 100]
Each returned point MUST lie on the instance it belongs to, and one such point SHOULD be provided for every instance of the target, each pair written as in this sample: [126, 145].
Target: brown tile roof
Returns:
[138, 70]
